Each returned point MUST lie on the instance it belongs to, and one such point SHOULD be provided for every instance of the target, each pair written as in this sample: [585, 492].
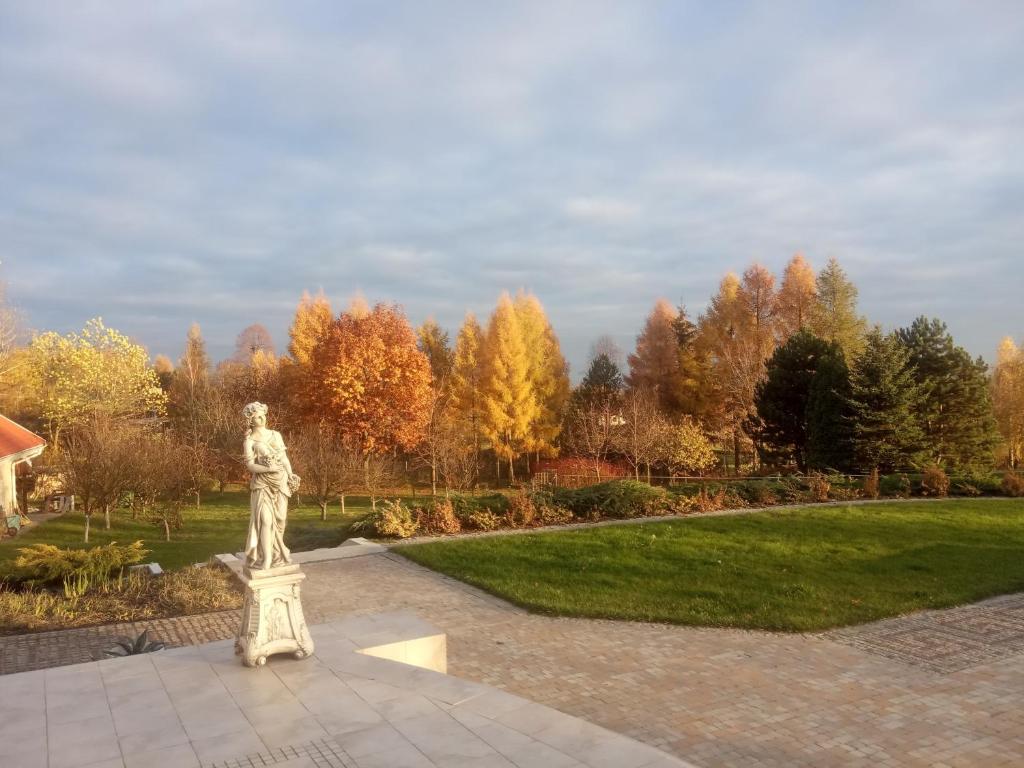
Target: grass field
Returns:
[789, 570]
[219, 525]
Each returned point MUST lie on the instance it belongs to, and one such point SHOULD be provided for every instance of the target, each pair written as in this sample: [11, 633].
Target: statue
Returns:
[272, 484]
[272, 620]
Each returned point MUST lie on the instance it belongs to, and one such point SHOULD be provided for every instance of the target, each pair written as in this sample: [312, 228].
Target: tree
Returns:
[602, 381]
[328, 467]
[782, 396]
[687, 448]
[10, 331]
[956, 410]
[641, 438]
[154, 478]
[547, 372]
[883, 400]
[796, 298]
[829, 438]
[252, 340]
[834, 315]
[312, 320]
[605, 345]
[372, 384]
[694, 392]
[467, 378]
[1008, 399]
[164, 369]
[189, 406]
[97, 371]
[95, 462]
[433, 342]
[654, 365]
[509, 402]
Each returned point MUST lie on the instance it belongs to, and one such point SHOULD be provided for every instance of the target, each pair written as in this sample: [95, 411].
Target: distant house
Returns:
[17, 445]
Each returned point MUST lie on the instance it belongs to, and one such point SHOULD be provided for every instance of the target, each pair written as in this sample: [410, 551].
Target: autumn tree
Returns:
[189, 405]
[547, 372]
[796, 298]
[158, 487]
[687, 449]
[373, 384]
[467, 379]
[433, 342]
[642, 435]
[884, 399]
[164, 370]
[1008, 399]
[654, 365]
[956, 410]
[329, 467]
[834, 314]
[95, 462]
[97, 371]
[253, 339]
[509, 400]
[309, 327]
[10, 330]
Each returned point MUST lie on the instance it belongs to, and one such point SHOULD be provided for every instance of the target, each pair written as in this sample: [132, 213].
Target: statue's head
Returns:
[255, 414]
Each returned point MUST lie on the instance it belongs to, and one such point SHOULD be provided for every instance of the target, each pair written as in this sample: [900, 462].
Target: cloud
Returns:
[604, 210]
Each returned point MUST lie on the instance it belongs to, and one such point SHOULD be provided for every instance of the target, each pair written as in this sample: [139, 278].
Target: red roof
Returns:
[14, 438]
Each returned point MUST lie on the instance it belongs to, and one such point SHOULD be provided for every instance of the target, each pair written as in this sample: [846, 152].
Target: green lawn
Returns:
[789, 570]
[219, 525]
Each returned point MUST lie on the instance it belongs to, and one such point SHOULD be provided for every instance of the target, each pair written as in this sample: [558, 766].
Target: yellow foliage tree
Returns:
[97, 371]
[467, 377]
[796, 298]
[1008, 399]
[509, 402]
[548, 373]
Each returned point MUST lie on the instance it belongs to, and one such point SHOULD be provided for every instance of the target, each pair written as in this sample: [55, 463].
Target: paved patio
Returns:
[940, 688]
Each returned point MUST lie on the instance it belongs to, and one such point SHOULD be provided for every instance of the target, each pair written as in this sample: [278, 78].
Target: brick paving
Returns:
[941, 688]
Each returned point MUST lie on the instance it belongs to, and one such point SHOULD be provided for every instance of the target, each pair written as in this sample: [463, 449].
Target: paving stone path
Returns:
[941, 688]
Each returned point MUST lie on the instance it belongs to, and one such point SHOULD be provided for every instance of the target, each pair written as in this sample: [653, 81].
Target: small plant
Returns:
[483, 520]
[896, 485]
[129, 647]
[934, 482]
[819, 485]
[552, 514]
[392, 519]
[75, 569]
[438, 517]
[871, 485]
[1013, 484]
[521, 511]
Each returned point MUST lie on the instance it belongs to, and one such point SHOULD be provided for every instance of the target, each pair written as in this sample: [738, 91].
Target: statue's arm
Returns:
[250, 459]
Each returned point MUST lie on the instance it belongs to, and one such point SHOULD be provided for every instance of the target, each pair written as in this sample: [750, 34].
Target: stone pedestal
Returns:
[272, 620]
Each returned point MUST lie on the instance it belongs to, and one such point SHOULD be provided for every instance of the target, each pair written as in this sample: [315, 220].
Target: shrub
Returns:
[616, 499]
[438, 517]
[483, 520]
[392, 519]
[934, 482]
[819, 486]
[521, 511]
[76, 569]
[977, 484]
[871, 484]
[1013, 484]
[465, 505]
[552, 514]
[895, 485]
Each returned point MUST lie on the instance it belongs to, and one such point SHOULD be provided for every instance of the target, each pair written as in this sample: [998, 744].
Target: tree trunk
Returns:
[511, 471]
[198, 500]
[323, 510]
[87, 518]
[167, 530]
[341, 498]
[433, 478]
[497, 469]
[736, 452]
[106, 516]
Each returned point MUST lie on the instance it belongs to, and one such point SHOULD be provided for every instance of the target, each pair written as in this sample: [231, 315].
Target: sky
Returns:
[170, 163]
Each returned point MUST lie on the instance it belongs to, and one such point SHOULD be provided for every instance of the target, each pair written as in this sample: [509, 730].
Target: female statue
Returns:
[272, 484]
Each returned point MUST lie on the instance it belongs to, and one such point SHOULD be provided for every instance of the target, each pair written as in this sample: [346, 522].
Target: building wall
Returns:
[8, 495]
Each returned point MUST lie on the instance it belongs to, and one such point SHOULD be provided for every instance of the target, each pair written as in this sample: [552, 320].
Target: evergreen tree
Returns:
[602, 379]
[884, 399]
[782, 398]
[829, 438]
[956, 412]
[834, 314]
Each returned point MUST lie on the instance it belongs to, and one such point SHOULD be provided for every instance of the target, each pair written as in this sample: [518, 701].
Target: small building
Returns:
[17, 446]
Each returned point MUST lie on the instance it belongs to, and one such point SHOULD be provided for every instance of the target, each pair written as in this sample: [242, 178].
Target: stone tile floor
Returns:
[940, 688]
[197, 706]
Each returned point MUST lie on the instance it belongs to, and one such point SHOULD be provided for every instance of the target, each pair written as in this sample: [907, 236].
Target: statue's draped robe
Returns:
[268, 502]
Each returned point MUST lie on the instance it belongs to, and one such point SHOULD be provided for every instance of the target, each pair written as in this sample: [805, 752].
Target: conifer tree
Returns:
[829, 437]
[884, 399]
[956, 410]
[602, 379]
[1008, 399]
[548, 373]
[509, 399]
[796, 297]
[434, 343]
[467, 376]
[655, 363]
[834, 315]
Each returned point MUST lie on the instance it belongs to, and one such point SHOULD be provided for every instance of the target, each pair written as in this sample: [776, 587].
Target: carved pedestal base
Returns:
[272, 619]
